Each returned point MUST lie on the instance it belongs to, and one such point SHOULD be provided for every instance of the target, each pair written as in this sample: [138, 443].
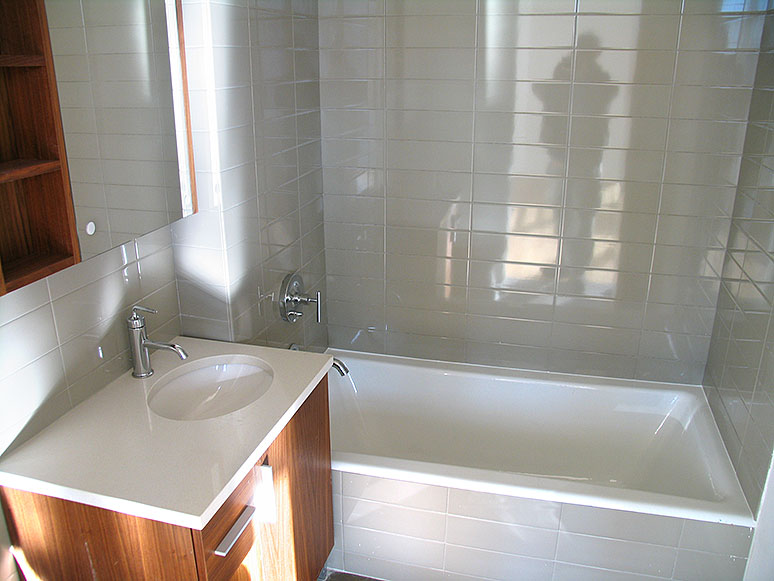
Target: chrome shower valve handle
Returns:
[292, 297]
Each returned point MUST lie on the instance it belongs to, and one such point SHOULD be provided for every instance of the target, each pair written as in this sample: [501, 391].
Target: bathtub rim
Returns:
[732, 509]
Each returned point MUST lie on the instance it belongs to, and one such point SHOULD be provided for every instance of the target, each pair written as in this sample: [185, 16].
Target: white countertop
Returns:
[113, 452]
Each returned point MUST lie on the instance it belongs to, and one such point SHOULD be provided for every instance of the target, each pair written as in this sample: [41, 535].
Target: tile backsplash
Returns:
[532, 184]
[64, 337]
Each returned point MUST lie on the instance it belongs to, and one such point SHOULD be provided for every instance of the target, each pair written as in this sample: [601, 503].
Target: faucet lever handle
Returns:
[136, 320]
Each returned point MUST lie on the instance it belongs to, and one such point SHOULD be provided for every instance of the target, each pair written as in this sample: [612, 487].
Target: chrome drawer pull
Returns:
[232, 536]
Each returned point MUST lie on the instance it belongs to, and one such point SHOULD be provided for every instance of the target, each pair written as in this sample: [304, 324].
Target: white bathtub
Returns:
[628, 445]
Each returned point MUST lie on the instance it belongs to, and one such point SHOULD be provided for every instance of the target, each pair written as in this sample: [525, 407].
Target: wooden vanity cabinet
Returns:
[67, 540]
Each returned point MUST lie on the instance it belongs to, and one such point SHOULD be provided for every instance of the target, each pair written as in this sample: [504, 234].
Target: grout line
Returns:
[646, 302]
[565, 181]
[469, 249]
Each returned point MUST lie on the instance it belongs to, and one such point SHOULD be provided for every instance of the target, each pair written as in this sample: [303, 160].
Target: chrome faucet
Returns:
[139, 344]
[339, 366]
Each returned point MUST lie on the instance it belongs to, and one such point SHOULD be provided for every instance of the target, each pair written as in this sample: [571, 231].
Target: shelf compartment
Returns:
[18, 169]
[28, 269]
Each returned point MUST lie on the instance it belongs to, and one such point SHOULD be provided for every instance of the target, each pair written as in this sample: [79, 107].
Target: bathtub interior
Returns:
[628, 445]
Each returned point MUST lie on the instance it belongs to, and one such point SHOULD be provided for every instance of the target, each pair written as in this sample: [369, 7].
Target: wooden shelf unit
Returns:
[37, 221]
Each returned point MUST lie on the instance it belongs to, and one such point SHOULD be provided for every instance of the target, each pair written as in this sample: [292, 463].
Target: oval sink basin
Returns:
[210, 387]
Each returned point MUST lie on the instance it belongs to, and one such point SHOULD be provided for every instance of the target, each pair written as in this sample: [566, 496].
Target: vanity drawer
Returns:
[222, 529]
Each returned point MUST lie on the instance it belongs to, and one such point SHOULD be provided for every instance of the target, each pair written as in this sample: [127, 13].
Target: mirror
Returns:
[121, 84]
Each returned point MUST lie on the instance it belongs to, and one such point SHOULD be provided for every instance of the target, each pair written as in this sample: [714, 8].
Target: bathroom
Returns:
[572, 186]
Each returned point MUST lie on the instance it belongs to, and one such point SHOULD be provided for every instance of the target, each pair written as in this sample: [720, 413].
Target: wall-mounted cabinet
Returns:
[37, 221]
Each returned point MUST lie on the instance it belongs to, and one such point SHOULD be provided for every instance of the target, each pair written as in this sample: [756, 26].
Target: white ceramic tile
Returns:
[519, 159]
[430, 31]
[506, 509]
[430, 63]
[720, 32]
[351, 63]
[628, 32]
[351, 33]
[95, 302]
[432, 155]
[391, 547]
[626, 133]
[630, 100]
[428, 185]
[522, 96]
[422, 322]
[428, 214]
[702, 169]
[618, 555]
[513, 277]
[527, 7]
[405, 7]
[63, 13]
[533, 249]
[622, 525]
[41, 380]
[696, 566]
[591, 311]
[570, 572]
[393, 519]
[618, 285]
[527, 190]
[614, 226]
[23, 301]
[726, 69]
[407, 494]
[627, 256]
[544, 31]
[27, 338]
[381, 569]
[523, 64]
[716, 538]
[521, 128]
[500, 537]
[496, 565]
[425, 346]
[429, 125]
[532, 220]
[630, 6]
[426, 269]
[438, 95]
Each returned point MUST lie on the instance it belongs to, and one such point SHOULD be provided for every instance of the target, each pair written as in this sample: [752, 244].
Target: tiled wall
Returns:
[544, 185]
[388, 529]
[255, 106]
[113, 76]
[740, 372]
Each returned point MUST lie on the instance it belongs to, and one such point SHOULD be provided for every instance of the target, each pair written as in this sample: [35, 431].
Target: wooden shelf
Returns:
[28, 269]
[19, 169]
[22, 60]
[37, 219]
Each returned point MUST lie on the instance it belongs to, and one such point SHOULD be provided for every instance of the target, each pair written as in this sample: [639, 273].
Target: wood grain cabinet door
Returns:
[63, 540]
[298, 544]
